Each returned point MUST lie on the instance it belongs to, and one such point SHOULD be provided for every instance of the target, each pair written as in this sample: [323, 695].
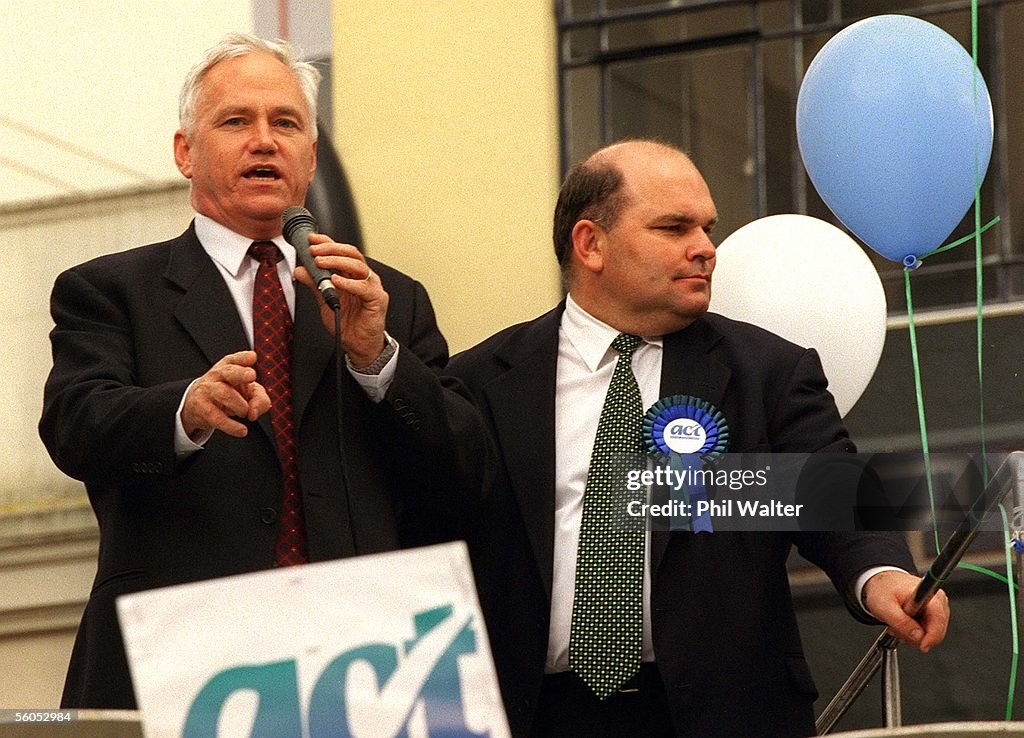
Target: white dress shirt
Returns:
[586, 362]
[230, 254]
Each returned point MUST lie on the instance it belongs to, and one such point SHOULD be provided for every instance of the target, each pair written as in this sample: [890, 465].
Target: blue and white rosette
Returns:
[686, 431]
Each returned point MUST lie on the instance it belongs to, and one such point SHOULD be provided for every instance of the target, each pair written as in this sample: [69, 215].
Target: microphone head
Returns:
[294, 218]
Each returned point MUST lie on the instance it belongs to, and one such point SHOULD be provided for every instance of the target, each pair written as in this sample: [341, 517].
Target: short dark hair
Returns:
[592, 190]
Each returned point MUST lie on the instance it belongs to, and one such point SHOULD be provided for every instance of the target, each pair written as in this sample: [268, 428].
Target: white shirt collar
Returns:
[591, 337]
[229, 249]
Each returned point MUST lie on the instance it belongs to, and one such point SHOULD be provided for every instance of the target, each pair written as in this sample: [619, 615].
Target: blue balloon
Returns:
[894, 125]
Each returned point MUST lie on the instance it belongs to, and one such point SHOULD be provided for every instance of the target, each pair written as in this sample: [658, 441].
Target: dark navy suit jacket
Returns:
[132, 330]
[724, 630]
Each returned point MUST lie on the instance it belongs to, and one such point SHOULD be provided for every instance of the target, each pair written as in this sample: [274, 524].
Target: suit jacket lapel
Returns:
[522, 402]
[209, 315]
[206, 310]
[688, 368]
[313, 349]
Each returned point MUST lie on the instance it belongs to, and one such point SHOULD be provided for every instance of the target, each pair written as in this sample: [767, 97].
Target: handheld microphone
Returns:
[297, 223]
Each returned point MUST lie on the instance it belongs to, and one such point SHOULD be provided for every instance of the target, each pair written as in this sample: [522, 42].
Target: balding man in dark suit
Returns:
[597, 630]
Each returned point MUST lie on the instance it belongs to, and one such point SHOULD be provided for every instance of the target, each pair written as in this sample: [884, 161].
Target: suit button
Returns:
[268, 515]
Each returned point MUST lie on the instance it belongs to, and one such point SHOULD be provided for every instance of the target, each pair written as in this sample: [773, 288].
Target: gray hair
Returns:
[241, 44]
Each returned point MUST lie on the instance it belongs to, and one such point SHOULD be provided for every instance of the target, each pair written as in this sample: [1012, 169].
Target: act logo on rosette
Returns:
[686, 432]
[684, 425]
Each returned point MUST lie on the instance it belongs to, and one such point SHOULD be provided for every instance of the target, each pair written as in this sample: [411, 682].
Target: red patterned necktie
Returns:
[272, 341]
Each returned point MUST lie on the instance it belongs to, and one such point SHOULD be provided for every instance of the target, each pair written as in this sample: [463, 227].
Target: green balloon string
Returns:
[960, 241]
[1014, 635]
[979, 304]
[1008, 579]
[978, 271]
[922, 424]
[987, 572]
[979, 301]
[1012, 590]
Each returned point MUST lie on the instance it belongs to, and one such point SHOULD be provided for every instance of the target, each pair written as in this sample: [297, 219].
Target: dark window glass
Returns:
[721, 80]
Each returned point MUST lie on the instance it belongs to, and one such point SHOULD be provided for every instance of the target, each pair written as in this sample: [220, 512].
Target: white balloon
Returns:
[809, 282]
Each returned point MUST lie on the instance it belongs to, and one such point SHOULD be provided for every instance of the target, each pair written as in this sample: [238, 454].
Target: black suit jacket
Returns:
[132, 330]
[724, 630]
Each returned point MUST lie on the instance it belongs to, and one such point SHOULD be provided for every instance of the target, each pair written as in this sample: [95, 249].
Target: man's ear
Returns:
[588, 243]
[312, 166]
[183, 154]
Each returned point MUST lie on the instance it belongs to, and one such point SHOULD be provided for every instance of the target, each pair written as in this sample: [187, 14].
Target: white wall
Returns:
[90, 89]
[39, 242]
[48, 533]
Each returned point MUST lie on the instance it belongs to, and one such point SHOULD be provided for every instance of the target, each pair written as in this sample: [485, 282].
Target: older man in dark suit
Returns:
[202, 397]
[599, 630]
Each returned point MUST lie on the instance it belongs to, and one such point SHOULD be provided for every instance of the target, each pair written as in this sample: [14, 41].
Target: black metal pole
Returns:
[1009, 476]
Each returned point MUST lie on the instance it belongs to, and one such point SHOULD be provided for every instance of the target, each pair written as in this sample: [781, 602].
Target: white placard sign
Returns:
[383, 645]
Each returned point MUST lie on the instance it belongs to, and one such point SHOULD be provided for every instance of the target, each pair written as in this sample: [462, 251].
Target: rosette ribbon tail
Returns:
[691, 466]
[680, 494]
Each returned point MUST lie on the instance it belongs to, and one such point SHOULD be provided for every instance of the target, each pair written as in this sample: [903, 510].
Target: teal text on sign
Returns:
[428, 673]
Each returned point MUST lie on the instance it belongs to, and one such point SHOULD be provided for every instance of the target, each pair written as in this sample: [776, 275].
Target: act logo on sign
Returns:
[370, 689]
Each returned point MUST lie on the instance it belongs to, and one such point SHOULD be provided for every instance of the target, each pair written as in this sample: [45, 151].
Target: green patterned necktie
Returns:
[606, 635]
